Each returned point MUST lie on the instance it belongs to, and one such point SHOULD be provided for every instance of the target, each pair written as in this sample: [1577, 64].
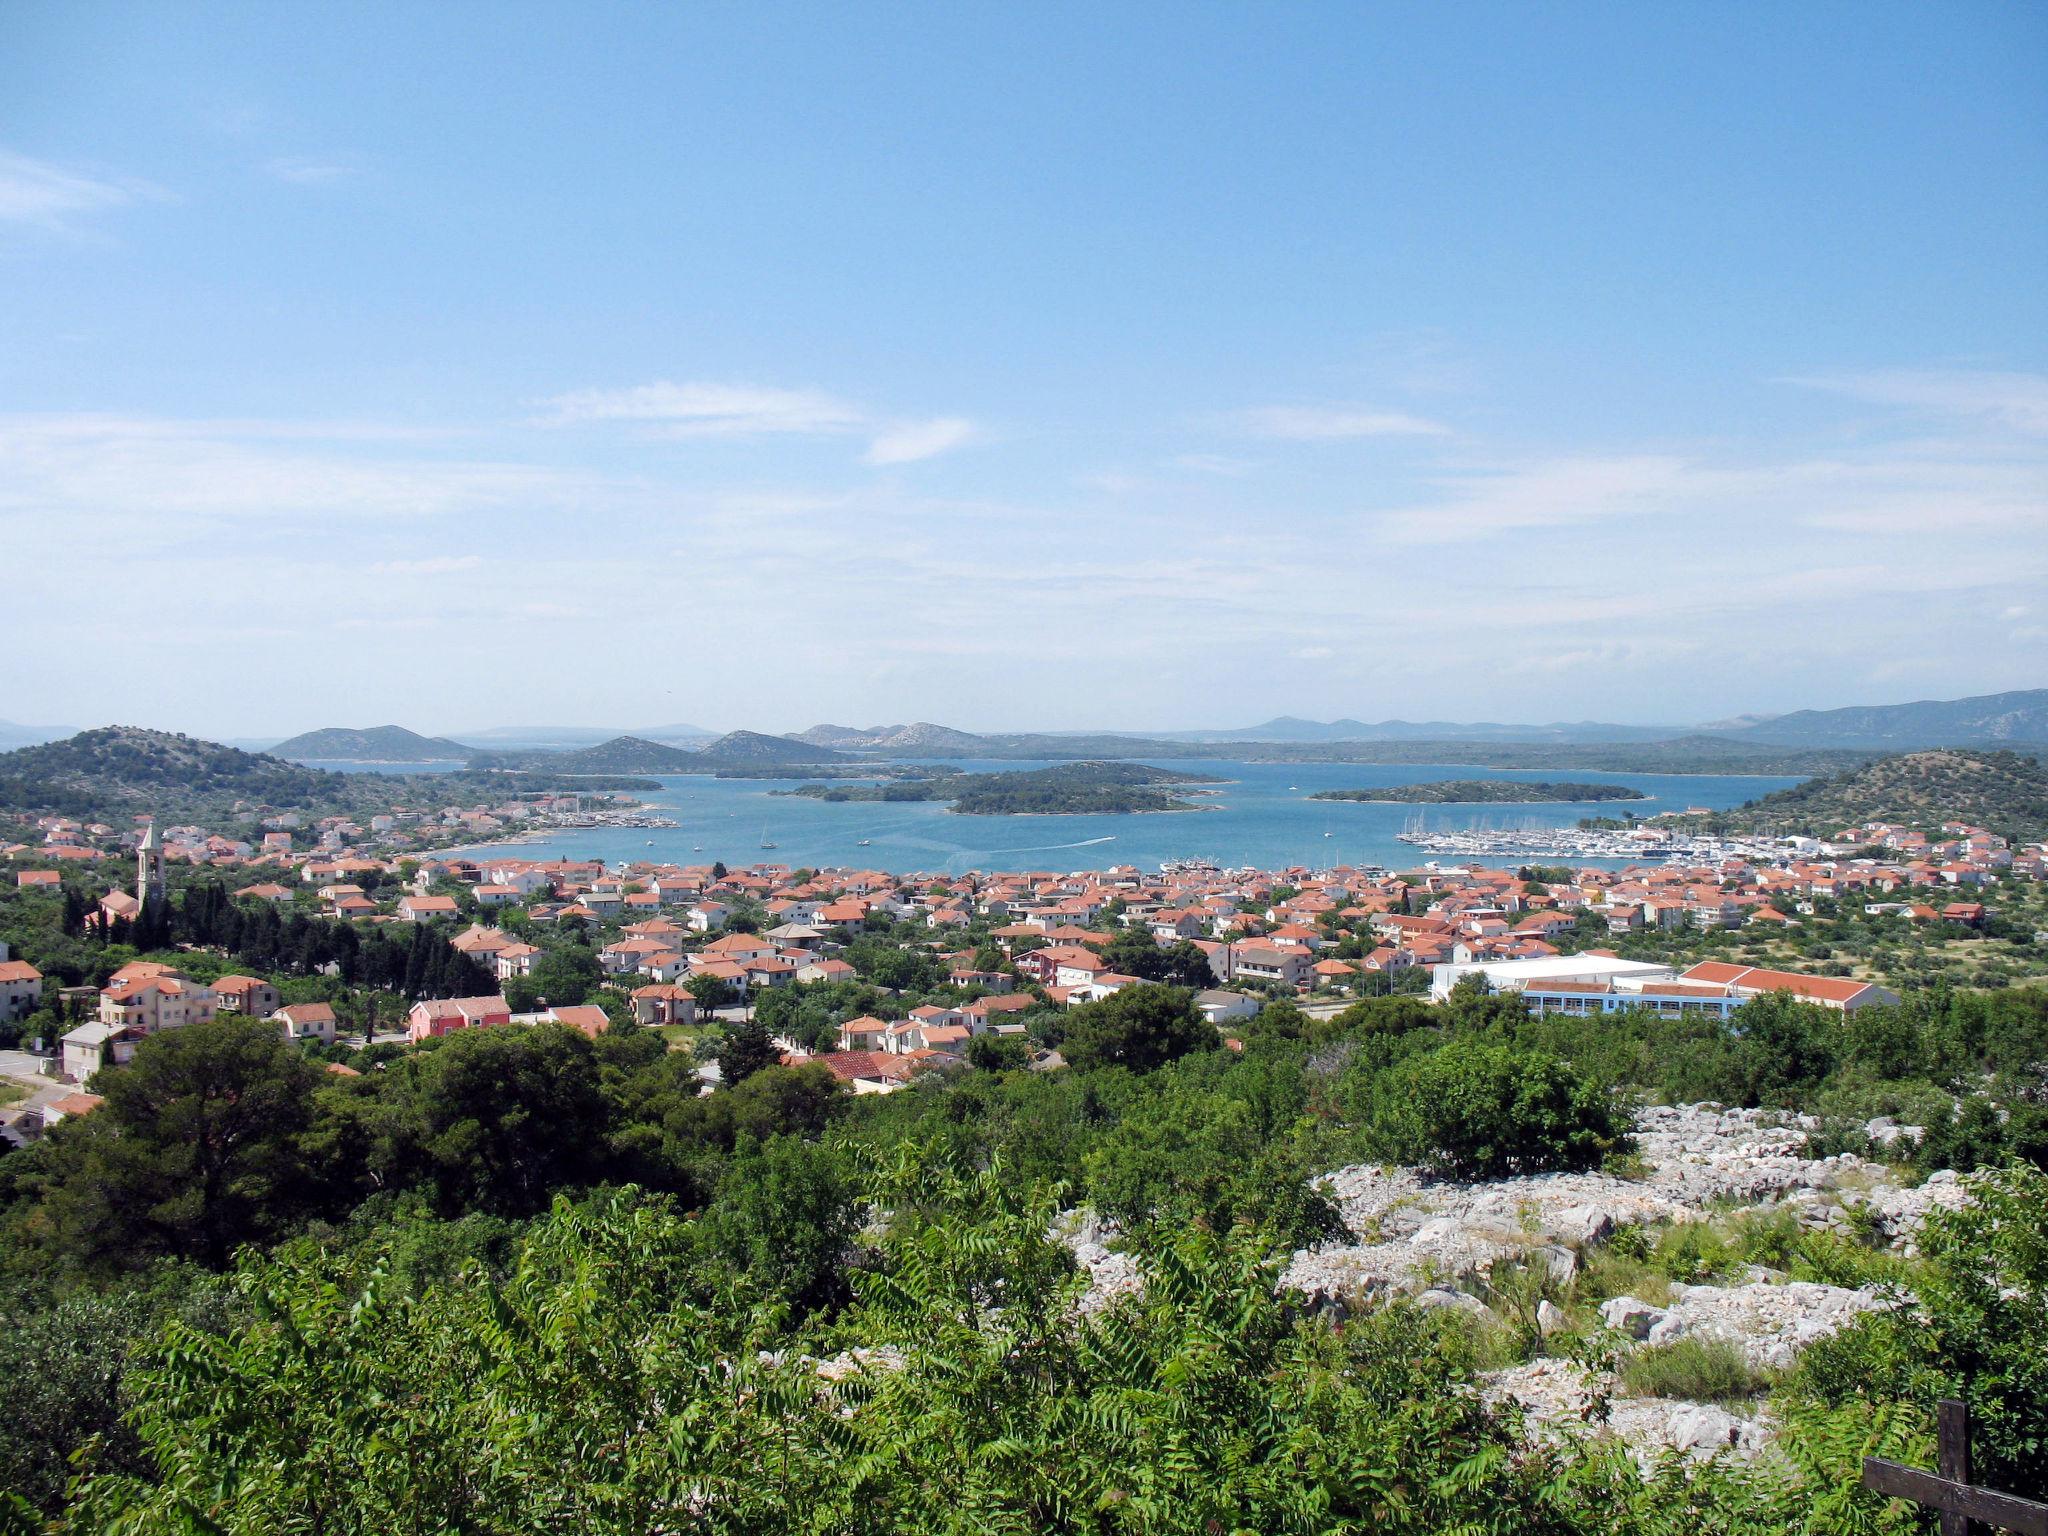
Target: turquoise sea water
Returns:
[1262, 817]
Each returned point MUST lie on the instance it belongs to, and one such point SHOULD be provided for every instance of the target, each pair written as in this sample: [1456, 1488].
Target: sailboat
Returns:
[765, 843]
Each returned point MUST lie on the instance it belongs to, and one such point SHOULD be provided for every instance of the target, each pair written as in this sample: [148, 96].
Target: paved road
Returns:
[25, 1068]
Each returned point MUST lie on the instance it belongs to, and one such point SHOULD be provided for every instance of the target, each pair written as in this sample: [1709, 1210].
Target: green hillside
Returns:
[119, 772]
[2005, 792]
[742, 747]
[622, 754]
[372, 744]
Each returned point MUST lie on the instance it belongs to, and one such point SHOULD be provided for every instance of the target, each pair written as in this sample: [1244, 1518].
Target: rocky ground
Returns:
[1415, 1232]
[1438, 1239]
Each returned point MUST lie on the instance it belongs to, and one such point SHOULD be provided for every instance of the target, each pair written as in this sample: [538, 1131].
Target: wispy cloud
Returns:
[1540, 495]
[1213, 464]
[313, 171]
[709, 410]
[164, 474]
[433, 565]
[1329, 423]
[913, 440]
[41, 193]
[2016, 401]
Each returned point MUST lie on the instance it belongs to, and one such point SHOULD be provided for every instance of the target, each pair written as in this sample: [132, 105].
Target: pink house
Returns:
[445, 1015]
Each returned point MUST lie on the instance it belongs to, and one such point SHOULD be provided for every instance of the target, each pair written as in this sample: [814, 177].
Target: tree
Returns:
[503, 1117]
[1480, 1108]
[745, 1050]
[1133, 952]
[997, 1053]
[565, 976]
[194, 1152]
[784, 1213]
[711, 992]
[1139, 1027]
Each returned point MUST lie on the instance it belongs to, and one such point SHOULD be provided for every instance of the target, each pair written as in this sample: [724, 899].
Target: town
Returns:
[690, 950]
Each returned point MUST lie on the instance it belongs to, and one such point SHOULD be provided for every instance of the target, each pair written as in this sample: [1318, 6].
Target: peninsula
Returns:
[1483, 792]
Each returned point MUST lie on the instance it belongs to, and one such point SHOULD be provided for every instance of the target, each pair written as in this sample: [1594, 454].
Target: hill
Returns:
[120, 771]
[622, 754]
[2020, 718]
[743, 747]
[922, 739]
[372, 744]
[2005, 792]
[838, 735]
[509, 738]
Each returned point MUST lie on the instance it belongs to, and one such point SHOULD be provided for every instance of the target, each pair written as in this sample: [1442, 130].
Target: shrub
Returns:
[1702, 1368]
[1479, 1109]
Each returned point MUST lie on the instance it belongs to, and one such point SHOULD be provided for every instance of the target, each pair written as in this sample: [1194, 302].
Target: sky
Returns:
[1049, 366]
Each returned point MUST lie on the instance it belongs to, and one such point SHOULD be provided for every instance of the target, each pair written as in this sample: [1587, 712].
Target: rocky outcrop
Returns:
[1561, 1399]
[1412, 1231]
[1769, 1322]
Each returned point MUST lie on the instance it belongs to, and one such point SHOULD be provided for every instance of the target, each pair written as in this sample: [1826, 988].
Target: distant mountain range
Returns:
[2019, 718]
[1992, 718]
[12, 735]
[1291, 728]
[501, 737]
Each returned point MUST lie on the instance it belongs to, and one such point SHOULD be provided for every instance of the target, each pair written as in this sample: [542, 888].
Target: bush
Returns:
[1703, 1369]
[1975, 1334]
[1479, 1109]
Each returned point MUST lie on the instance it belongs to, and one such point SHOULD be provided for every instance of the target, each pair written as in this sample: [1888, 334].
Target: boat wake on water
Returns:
[1086, 842]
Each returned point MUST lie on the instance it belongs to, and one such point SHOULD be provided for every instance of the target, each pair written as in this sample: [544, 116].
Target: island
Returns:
[1483, 792]
[1070, 789]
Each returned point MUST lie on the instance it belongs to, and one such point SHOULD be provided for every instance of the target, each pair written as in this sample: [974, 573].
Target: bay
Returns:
[1262, 817]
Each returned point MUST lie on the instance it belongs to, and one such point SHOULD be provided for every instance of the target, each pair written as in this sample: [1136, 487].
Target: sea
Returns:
[1261, 816]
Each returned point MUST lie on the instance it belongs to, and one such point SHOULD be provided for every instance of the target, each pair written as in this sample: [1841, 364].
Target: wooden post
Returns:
[1952, 1458]
[1962, 1504]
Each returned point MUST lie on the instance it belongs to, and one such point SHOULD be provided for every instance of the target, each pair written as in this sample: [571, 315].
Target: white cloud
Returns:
[2015, 401]
[1323, 423]
[1312, 653]
[910, 441]
[709, 409]
[38, 192]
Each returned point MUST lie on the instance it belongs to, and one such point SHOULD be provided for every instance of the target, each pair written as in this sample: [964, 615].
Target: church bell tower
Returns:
[149, 866]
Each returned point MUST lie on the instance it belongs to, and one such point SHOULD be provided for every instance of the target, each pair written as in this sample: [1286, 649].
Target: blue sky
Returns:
[1034, 366]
